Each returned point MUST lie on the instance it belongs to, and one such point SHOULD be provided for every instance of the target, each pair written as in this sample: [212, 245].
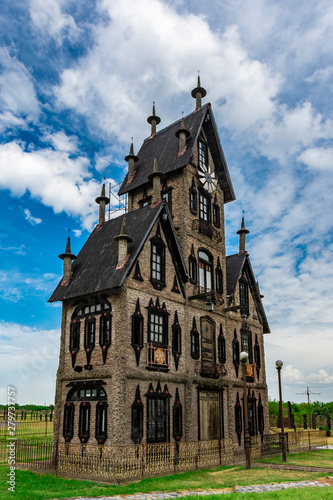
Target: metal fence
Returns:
[122, 463]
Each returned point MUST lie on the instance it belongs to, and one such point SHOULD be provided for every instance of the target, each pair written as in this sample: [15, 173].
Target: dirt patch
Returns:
[326, 480]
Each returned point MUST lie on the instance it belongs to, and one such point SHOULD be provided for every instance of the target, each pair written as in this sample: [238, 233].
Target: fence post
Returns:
[45, 424]
[220, 452]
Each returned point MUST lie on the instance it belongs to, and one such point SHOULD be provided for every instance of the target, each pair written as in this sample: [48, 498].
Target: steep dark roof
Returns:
[164, 147]
[235, 265]
[94, 269]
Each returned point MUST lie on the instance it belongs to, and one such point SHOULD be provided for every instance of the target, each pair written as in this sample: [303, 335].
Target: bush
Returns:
[328, 431]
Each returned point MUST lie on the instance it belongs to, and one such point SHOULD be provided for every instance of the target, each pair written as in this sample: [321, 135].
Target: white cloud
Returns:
[32, 220]
[53, 177]
[320, 75]
[47, 16]
[62, 142]
[34, 354]
[16, 286]
[18, 100]
[318, 158]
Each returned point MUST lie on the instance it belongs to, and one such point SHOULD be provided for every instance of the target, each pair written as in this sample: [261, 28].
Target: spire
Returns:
[198, 93]
[153, 120]
[102, 202]
[123, 239]
[157, 178]
[182, 133]
[67, 257]
[131, 159]
[242, 236]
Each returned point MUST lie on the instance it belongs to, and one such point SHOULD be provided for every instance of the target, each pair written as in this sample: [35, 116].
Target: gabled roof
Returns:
[164, 147]
[235, 266]
[94, 269]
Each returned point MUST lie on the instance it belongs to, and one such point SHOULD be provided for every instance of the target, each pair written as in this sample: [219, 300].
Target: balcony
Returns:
[206, 229]
[210, 369]
[210, 296]
[157, 358]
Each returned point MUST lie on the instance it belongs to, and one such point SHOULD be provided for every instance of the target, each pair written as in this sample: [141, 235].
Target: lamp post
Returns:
[279, 365]
[247, 440]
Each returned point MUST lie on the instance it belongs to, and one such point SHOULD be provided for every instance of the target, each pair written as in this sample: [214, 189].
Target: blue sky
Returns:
[77, 81]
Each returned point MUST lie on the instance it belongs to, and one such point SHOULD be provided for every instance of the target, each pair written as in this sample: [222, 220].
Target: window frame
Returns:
[84, 421]
[193, 198]
[100, 434]
[205, 209]
[177, 418]
[244, 296]
[195, 341]
[176, 340]
[158, 249]
[202, 153]
[206, 265]
[137, 331]
[216, 214]
[69, 414]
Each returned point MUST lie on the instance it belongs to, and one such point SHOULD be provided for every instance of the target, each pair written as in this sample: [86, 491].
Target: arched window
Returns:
[205, 271]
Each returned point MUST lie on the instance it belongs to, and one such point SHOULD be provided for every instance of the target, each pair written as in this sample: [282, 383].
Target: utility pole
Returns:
[308, 392]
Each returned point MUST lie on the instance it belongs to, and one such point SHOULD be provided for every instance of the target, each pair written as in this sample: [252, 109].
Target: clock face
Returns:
[207, 178]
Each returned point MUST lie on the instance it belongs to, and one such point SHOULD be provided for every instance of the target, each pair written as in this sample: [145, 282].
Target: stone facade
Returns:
[207, 388]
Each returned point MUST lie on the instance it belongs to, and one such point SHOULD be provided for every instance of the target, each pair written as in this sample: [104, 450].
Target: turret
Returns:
[131, 159]
[67, 257]
[242, 236]
[198, 93]
[156, 177]
[182, 134]
[123, 239]
[102, 202]
[153, 120]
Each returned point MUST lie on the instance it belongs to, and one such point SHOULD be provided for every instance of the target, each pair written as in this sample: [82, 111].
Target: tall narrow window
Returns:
[203, 154]
[193, 198]
[261, 422]
[257, 356]
[89, 337]
[192, 264]
[177, 414]
[157, 277]
[204, 207]
[221, 346]
[219, 277]
[84, 422]
[238, 419]
[244, 297]
[137, 418]
[74, 343]
[205, 271]
[176, 340]
[216, 213]
[137, 332]
[101, 422]
[252, 414]
[105, 324]
[246, 342]
[235, 352]
[166, 194]
[195, 341]
[68, 421]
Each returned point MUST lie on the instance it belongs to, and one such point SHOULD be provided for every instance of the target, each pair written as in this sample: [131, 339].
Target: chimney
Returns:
[123, 240]
[182, 135]
[131, 159]
[198, 93]
[153, 120]
[242, 238]
[156, 177]
[67, 257]
[102, 202]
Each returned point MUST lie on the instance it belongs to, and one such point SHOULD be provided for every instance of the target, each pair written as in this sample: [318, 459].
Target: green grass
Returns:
[35, 486]
[316, 458]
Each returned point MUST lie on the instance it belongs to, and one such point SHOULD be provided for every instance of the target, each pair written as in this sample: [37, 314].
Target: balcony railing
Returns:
[210, 369]
[206, 229]
[157, 358]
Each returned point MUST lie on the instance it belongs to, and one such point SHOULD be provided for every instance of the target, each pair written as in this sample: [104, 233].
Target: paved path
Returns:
[293, 467]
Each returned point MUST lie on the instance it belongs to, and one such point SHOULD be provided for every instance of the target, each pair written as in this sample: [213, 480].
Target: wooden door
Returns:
[207, 340]
[210, 415]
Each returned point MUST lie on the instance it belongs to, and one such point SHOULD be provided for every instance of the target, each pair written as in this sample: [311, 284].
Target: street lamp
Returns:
[247, 440]
[279, 365]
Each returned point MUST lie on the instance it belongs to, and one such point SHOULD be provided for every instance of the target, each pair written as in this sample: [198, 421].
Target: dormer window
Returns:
[145, 200]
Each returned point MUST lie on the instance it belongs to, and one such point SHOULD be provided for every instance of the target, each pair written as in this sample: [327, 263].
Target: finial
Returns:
[242, 238]
[156, 177]
[182, 133]
[102, 201]
[123, 239]
[67, 257]
[153, 120]
[198, 93]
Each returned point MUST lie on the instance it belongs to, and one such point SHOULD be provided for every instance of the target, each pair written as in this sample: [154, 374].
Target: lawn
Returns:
[35, 486]
[316, 458]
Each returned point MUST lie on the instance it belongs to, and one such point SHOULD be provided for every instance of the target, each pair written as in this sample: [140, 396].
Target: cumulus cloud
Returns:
[35, 354]
[47, 15]
[318, 158]
[18, 100]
